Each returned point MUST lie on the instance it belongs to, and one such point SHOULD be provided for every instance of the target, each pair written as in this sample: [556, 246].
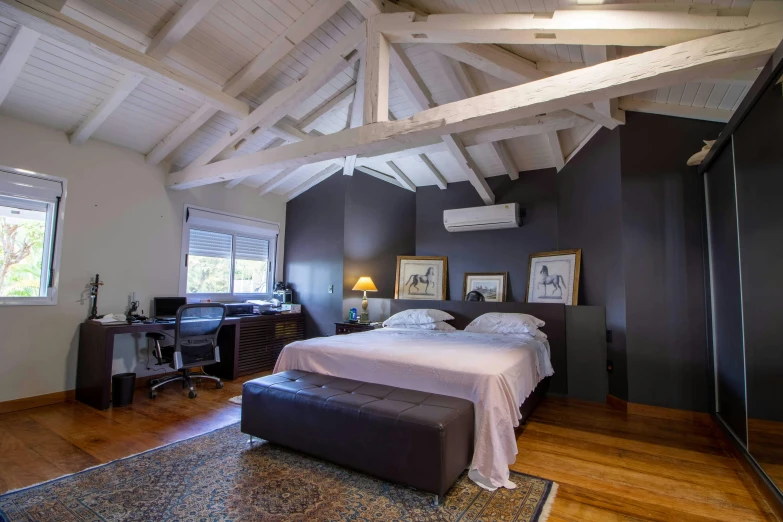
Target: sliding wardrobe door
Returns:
[758, 145]
[726, 293]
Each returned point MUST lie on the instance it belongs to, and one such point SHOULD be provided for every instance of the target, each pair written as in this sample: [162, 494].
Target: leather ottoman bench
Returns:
[414, 438]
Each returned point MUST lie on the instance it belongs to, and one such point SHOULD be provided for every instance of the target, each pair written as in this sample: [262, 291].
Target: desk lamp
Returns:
[365, 284]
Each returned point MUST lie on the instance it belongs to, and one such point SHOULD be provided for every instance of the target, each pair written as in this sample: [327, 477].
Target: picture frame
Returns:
[492, 285]
[553, 277]
[421, 277]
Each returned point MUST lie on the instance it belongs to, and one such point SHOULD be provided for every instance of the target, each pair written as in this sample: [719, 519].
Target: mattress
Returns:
[497, 372]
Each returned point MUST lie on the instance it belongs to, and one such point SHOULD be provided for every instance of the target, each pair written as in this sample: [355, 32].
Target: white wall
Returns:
[120, 222]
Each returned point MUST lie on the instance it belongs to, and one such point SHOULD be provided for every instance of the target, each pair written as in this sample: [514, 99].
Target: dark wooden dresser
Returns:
[255, 344]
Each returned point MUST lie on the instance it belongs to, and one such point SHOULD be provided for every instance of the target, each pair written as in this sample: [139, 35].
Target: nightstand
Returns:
[349, 328]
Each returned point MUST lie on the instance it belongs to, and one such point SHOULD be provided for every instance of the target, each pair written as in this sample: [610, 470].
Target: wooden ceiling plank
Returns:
[319, 13]
[311, 182]
[308, 122]
[283, 101]
[178, 26]
[15, 56]
[280, 178]
[57, 26]
[376, 74]
[401, 178]
[377, 174]
[558, 160]
[368, 8]
[582, 143]
[627, 103]
[719, 54]
[615, 26]
[421, 98]
[86, 129]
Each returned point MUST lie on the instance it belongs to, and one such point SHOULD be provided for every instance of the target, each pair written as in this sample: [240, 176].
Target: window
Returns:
[30, 205]
[227, 256]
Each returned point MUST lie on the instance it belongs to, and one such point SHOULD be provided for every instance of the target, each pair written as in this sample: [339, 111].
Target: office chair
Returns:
[195, 344]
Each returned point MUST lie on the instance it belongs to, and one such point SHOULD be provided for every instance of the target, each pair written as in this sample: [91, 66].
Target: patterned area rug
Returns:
[220, 477]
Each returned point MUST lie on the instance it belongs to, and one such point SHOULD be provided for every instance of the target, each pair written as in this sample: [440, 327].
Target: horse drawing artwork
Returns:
[556, 281]
[415, 279]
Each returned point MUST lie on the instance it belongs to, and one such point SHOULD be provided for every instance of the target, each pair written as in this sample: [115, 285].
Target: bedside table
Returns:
[349, 328]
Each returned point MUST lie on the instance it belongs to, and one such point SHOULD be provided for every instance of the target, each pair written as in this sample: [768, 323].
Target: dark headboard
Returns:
[465, 311]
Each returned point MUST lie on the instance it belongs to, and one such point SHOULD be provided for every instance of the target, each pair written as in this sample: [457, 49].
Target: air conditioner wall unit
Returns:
[482, 218]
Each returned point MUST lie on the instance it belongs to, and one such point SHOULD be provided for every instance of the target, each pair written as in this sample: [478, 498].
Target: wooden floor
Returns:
[609, 465]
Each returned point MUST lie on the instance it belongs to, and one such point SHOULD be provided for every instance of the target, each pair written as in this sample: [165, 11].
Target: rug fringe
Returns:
[115, 460]
[547, 509]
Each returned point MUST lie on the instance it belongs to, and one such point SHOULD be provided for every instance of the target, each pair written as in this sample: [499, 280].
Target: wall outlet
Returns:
[331, 289]
[609, 365]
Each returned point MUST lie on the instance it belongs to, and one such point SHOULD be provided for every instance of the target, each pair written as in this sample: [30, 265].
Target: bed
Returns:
[496, 372]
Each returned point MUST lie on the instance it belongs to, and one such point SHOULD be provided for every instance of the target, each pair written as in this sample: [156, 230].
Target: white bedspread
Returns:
[495, 371]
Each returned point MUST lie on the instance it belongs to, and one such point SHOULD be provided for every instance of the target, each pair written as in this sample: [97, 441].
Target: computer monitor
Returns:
[166, 307]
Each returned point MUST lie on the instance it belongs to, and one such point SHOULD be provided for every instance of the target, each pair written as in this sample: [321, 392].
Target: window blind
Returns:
[29, 186]
[209, 244]
[252, 249]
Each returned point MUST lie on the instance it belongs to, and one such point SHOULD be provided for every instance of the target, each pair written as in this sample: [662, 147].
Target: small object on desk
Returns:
[349, 328]
[352, 315]
[292, 308]
[94, 285]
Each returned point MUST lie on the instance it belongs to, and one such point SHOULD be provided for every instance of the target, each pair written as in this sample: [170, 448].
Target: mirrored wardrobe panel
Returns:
[758, 152]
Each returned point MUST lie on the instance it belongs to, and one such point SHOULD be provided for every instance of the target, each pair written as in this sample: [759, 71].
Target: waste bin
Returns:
[122, 386]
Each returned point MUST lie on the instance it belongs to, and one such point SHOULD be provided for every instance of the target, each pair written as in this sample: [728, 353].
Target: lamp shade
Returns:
[366, 284]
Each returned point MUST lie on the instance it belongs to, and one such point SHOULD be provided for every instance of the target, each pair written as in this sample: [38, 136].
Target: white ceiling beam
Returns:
[466, 88]
[91, 42]
[368, 8]
[336, 102]
[515, 70]
[280, 178]
[180, 133]
[178, 26]
[16, 53]
[558, 160]
[282, 102]
[376, 74]
[377, 174]
[401, 178]
[593, 55]
[275, 143]
[680, 111]
[582, 143]
[440, 181]
[355, 118]
[265, 60]
[121, 91]
[313, 181]
[421, 98]
[673, 65]
[578, 27]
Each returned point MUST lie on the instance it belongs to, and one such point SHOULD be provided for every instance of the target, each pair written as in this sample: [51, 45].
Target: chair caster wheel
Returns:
[192, 394]
[219, 385]
[153, 394]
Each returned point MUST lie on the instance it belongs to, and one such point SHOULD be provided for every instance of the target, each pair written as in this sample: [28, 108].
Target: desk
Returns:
[247, 345]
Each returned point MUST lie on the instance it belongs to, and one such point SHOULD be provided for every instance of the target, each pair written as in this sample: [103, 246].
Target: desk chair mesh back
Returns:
[195, 345]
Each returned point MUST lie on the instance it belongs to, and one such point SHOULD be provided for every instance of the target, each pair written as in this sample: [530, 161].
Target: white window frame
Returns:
[233, 231]
[50, 269]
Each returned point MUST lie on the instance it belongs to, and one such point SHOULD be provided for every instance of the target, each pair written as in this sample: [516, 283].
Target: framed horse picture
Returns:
[421, 277]
[553, 277]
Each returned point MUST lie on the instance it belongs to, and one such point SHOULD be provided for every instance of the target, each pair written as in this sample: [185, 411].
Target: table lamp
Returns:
[365, 284]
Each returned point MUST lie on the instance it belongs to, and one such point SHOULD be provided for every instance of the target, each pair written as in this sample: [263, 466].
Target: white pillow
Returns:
[505, 323]
[439, 325]
[422, 316]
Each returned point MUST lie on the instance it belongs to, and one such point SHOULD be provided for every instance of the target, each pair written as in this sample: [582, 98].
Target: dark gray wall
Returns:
[590, 217]
[495, 250]
[380, 223]
[663, 259]
[314, 253]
